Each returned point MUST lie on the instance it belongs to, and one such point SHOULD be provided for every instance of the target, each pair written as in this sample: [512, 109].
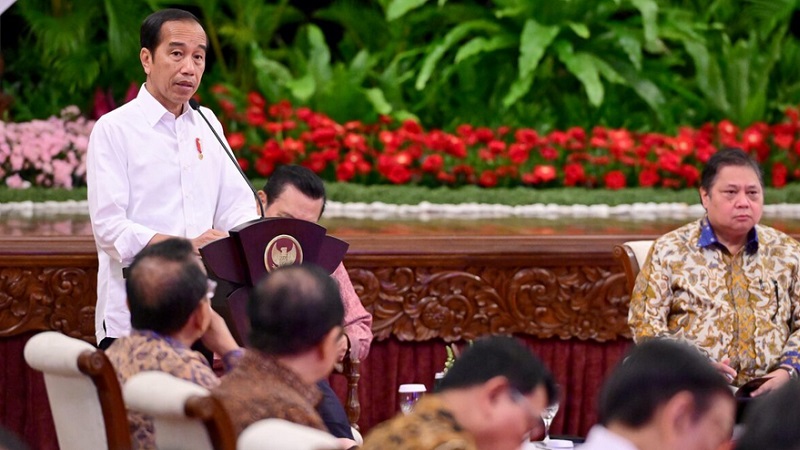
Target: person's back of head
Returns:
[495, 356]
[293, 309]
[302, 178]
[165, 284]
[656, 372]
[771, 423]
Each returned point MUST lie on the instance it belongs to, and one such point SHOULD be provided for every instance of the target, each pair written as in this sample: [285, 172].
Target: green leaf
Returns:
[649, 12]
[399, 8]
[378, 101]
[482, 45]
[709, 76]
[583, 67]
[580, 29]
[533, 43]
[607, 71]
[455, 35]
[302, 88]
[319, 57]
[518, 88]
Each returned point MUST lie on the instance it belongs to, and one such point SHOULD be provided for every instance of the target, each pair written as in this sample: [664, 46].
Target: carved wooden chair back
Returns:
[83, 391]
[632, 255]
[277, 434]
[185, 415]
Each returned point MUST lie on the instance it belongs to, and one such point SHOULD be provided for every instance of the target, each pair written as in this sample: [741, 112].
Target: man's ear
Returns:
[678, 413]
[262, 197]
[146, 59]
[704, 198]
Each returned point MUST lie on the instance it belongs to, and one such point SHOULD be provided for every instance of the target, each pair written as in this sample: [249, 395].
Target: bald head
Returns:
[292, 310]
[165, 285]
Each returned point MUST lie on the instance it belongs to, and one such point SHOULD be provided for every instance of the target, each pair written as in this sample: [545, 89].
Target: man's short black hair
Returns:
[150, 32]
[292, 309]
[771, 423]
[652, 373]
[165, 285]
[302, 178]
[724, 158]
[494, 356]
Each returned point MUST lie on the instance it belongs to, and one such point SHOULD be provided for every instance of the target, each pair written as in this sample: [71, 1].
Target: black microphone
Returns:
[196, 106]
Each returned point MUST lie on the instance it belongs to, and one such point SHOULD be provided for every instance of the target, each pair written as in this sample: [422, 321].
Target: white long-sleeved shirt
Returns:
[145, 175]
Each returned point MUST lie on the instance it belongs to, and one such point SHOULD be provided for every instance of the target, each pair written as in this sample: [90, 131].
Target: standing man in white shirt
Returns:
[155, 169]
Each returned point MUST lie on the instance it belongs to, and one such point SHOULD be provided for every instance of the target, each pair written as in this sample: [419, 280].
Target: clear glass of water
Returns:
[408, 395]
[548, 414]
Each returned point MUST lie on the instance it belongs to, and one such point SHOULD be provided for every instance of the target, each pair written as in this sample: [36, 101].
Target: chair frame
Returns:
[98, 368]
[209, 410]
[630, 265]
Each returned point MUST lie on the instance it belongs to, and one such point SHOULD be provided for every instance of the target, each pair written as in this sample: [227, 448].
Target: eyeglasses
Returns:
[521, 400]
[212, 287]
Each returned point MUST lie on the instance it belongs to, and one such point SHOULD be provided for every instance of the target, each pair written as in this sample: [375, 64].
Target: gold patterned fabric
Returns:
[260, 387]
[430, 426]
[146, 350]
[745, 307]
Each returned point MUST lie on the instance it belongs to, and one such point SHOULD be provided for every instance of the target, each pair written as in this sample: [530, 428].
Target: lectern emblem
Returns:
[282, 250]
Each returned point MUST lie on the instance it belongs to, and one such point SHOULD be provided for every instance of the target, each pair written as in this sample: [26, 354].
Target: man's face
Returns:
[734, 202]
[712, 429]
[175, 68]
[294, 204]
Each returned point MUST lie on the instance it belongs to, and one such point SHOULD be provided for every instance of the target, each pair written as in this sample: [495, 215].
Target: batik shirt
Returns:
[429, 426]
[745, 307]
[147, 350]
[260, 387]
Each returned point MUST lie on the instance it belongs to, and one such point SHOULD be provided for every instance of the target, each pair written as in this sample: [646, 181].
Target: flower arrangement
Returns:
[50, 153]
[265, 135]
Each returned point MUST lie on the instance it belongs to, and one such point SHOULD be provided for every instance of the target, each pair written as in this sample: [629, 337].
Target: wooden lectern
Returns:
[254, 249]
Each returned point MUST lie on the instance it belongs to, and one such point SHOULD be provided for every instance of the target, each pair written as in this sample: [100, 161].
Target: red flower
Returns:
[255, 116]
[648, 178]
[345, 171]
[574, 174]
[398, 174]
[544, 174]
[518, 153]
[488, 179]
[691, 174]
[433, 163]
[236, 141]
[614, 180]
[779, 175]
[243, 163]
[255, 99]
[496, 147]
[549, 153]
[264, 167]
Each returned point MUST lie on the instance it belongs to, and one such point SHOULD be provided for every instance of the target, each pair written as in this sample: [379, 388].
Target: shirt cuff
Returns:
[231, 359]
[791, 359]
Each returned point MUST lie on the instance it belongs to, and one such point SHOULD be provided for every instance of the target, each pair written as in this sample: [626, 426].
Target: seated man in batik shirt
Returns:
[491, 398]
[725, 283]
[296, 317]
[169, 296]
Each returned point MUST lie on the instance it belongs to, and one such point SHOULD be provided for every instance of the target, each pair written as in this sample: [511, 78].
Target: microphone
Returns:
[195, 105]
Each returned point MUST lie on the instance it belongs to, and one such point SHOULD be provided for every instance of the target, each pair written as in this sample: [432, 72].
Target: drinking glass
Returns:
[548, 414]
[408, 395]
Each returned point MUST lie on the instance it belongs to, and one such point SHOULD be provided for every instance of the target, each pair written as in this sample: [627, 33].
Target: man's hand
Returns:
[776, 379]
[208, 236]
[724, 368]
[218, 337]
[343, 345]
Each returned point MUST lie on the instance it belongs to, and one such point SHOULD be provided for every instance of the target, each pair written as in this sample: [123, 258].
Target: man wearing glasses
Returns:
[169, 297]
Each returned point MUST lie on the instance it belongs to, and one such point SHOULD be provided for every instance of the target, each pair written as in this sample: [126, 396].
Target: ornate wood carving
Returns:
[417, 288]
[421, 303]
[47, 298]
